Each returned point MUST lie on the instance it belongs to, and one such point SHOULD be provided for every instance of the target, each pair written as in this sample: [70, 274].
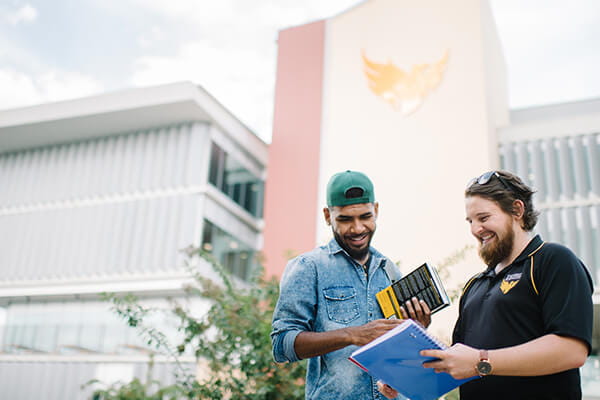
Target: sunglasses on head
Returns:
[486, 177]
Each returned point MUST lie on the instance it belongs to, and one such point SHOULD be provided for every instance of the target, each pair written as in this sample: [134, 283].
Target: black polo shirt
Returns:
[546, 290]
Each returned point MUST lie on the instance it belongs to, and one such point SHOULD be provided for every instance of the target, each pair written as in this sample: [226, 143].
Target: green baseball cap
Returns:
[349, 187]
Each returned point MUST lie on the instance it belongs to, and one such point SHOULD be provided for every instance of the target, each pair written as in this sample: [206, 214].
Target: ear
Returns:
[327, 215]
[376, 212]
[518, 209]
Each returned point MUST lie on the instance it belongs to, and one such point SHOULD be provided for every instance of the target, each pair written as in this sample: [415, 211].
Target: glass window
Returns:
[217, 162]
[237, 257]
[74, 327]
[230, 177]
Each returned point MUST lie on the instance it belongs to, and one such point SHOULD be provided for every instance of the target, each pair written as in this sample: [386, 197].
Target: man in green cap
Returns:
[327, 305]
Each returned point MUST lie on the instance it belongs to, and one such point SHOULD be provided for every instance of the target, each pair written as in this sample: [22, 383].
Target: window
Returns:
[75, 327]
[235, 256]
[239, 184]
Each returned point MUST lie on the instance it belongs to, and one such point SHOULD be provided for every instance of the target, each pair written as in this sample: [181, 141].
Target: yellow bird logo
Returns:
[506, 286]
[404, 91]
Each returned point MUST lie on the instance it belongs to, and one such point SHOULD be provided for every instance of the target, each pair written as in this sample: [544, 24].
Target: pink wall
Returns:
[291, 192]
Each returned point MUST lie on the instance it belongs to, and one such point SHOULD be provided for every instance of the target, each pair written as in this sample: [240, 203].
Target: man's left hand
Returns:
[458, 360]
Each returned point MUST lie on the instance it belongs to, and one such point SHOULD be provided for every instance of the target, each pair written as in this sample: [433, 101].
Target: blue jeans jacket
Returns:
[323, 290]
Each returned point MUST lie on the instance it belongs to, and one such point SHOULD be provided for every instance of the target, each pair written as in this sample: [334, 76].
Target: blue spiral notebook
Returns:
[394, 358]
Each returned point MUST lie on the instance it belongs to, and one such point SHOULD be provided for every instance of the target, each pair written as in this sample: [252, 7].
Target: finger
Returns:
[384, 321]
[388, 391]
[410, 309]
[414, 302]
[433, 353]
[425, 307]
[426, 317]
[403, 312]
[391, 322]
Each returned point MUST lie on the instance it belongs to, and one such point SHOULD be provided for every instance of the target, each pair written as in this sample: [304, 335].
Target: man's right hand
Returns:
[361, 335]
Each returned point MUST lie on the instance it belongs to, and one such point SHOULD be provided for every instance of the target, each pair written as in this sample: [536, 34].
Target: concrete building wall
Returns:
[291, 192]
[412, 94]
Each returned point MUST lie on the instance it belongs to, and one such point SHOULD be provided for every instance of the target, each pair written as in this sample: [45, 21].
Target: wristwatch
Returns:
[483, 366]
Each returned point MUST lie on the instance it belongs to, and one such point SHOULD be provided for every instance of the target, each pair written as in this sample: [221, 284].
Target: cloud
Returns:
[149, 38]
[548, 49]
[20, 89]
[228, 47]
[240, 78]
[24, 14]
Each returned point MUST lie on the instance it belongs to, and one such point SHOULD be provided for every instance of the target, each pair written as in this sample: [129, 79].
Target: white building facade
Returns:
[102, 194]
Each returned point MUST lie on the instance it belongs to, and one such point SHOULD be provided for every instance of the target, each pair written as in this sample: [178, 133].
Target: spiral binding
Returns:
[430, 338]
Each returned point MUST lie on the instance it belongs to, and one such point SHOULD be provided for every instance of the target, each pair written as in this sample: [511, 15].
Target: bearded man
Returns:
[327, 305]
[525, 323]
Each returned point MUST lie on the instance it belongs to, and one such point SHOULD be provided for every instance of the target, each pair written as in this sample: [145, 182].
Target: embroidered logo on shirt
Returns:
[509, 282]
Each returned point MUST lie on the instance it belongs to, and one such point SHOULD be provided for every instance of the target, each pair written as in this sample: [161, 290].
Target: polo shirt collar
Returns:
[533, 245]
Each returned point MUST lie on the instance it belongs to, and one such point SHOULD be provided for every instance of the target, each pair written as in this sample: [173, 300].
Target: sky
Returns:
[64, 49]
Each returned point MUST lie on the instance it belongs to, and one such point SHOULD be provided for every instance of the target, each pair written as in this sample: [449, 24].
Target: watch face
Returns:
[484, 368]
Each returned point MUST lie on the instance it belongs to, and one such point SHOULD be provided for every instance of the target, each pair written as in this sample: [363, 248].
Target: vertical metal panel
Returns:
[565, 167]
[9, 191]
[581, 181]
[522, 162]
[595, 222]
[177, 218]
[542, 226]
[509, 157]
[140, 236]
[131, 156]
[593, 153]
[183, 144]
[554, 225]
[8, 380]
[142, 161]
[570, 229]
[550, 165]
[585, 239]
[537, 165]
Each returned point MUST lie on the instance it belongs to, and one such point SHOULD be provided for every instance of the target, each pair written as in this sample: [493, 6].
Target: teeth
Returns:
[486, 237]
[357, 238]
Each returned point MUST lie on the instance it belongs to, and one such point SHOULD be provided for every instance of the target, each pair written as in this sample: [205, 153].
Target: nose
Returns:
[356, 226]
[476, 228]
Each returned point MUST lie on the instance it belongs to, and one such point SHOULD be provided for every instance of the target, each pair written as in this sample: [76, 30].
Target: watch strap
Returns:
[483, 355]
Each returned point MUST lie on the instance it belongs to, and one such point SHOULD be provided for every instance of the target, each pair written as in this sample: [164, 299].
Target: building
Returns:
[414, 94]
[101, 194]
[557, 149]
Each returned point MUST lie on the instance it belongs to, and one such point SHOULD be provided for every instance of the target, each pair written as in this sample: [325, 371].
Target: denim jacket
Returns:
[323, 290]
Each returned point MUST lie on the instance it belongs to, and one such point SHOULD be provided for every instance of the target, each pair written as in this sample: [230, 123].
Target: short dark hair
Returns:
[504, 191]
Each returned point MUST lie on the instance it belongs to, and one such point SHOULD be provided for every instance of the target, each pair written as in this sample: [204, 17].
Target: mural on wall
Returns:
[403, 90]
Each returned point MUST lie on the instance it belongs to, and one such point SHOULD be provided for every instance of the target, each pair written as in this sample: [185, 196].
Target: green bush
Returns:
[231, 339]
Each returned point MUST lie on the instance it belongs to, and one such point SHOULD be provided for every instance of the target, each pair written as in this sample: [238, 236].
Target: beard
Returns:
[357, 254]
[492, 254]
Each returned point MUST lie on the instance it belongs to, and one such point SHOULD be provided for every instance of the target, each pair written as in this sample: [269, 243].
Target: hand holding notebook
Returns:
[394, 358]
